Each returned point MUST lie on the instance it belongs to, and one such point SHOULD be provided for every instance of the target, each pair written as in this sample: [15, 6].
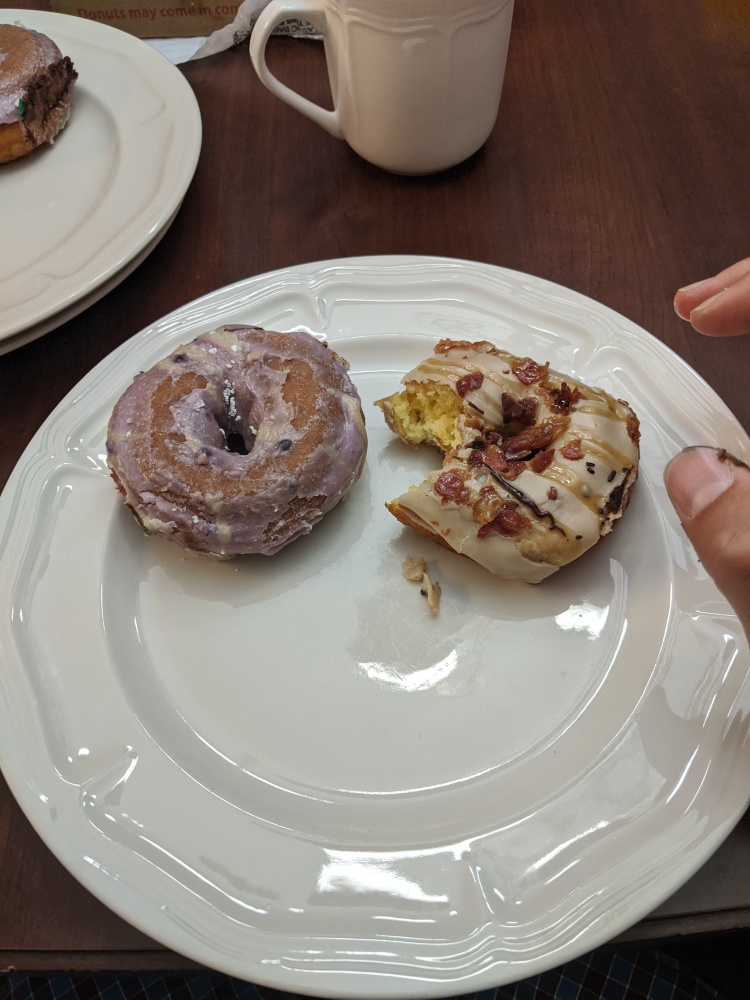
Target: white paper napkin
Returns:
[180, 50]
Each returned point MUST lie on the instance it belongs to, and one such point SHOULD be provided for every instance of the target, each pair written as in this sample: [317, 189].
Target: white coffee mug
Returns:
[416, 84]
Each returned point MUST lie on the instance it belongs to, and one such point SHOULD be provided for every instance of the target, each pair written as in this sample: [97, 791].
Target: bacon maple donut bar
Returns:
[36, 86]
[238, 442]
[538, 466]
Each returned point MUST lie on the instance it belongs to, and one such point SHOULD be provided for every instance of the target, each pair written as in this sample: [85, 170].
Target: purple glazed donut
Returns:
[238, 442]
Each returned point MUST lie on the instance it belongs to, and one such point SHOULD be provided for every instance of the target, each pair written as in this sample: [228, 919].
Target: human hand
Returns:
[718, 306]
[710, 489]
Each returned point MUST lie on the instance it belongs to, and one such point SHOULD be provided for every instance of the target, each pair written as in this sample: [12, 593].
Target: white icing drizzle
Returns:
[569, 505]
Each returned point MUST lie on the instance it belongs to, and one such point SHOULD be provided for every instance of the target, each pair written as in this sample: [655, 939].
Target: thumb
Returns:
[710, 490]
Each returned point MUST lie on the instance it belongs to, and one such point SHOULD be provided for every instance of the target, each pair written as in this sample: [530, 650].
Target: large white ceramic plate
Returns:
[285, 768]
[82, 209]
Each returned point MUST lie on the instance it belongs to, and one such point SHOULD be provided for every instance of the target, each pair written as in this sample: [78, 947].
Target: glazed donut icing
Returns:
[36, 85]
[538, 466]
[37, 56]
[238, 442]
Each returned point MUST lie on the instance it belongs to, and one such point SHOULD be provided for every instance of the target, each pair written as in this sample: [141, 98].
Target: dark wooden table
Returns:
[618, 167]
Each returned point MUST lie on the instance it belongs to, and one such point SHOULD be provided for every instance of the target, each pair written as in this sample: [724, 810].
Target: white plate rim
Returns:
[387, 978]
[120, 240]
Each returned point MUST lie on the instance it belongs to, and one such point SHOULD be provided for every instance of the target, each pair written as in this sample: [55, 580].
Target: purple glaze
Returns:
[243, 402]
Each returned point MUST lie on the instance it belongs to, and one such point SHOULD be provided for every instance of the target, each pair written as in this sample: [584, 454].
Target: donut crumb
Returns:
[415, 570]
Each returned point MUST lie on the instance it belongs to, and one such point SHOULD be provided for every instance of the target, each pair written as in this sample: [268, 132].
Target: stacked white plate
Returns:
[83, 212]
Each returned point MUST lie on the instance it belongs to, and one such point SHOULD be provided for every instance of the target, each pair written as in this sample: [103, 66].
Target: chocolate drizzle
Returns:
[525, 499]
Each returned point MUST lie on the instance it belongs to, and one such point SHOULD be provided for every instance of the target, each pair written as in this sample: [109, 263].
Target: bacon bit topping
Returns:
[522, 410]
[484, 346]
[533, 438]
[525, 499]
[508, 521]
[468, 383]
[542, 459]
[447, 345]
[564, 399]
[497, 461]
[528, 371]
[450, 486]
[552, 493]
[514, 470]
[572, 450]
[488, 505]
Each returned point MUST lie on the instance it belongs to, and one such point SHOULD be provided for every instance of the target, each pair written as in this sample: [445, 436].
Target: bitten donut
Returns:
[238, 442]
[538, 466]
[36, 87]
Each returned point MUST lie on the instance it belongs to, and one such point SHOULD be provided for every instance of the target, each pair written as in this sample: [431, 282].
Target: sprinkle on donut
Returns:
[239, 442]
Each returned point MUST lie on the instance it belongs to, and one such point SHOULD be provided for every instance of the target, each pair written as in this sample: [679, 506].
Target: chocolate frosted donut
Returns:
[238, 442]
[36, 86]
[538, 467]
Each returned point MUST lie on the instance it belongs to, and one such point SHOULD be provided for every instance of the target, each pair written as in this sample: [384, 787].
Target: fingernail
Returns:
[696, 285]
[682, 313]
[698, 476]
[709, 303]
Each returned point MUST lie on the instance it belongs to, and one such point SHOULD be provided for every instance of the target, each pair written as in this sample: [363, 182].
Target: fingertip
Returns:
[718, 306]
[680, 306]
[698, 288]
[691, 298]
[710, 491]
[695, 478]
[706, 318]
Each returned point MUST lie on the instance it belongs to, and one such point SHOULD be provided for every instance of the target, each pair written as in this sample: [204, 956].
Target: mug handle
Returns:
[272, 15]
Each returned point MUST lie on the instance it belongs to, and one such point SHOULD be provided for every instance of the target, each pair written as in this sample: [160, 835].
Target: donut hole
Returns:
[236, 444]
[235, 421]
